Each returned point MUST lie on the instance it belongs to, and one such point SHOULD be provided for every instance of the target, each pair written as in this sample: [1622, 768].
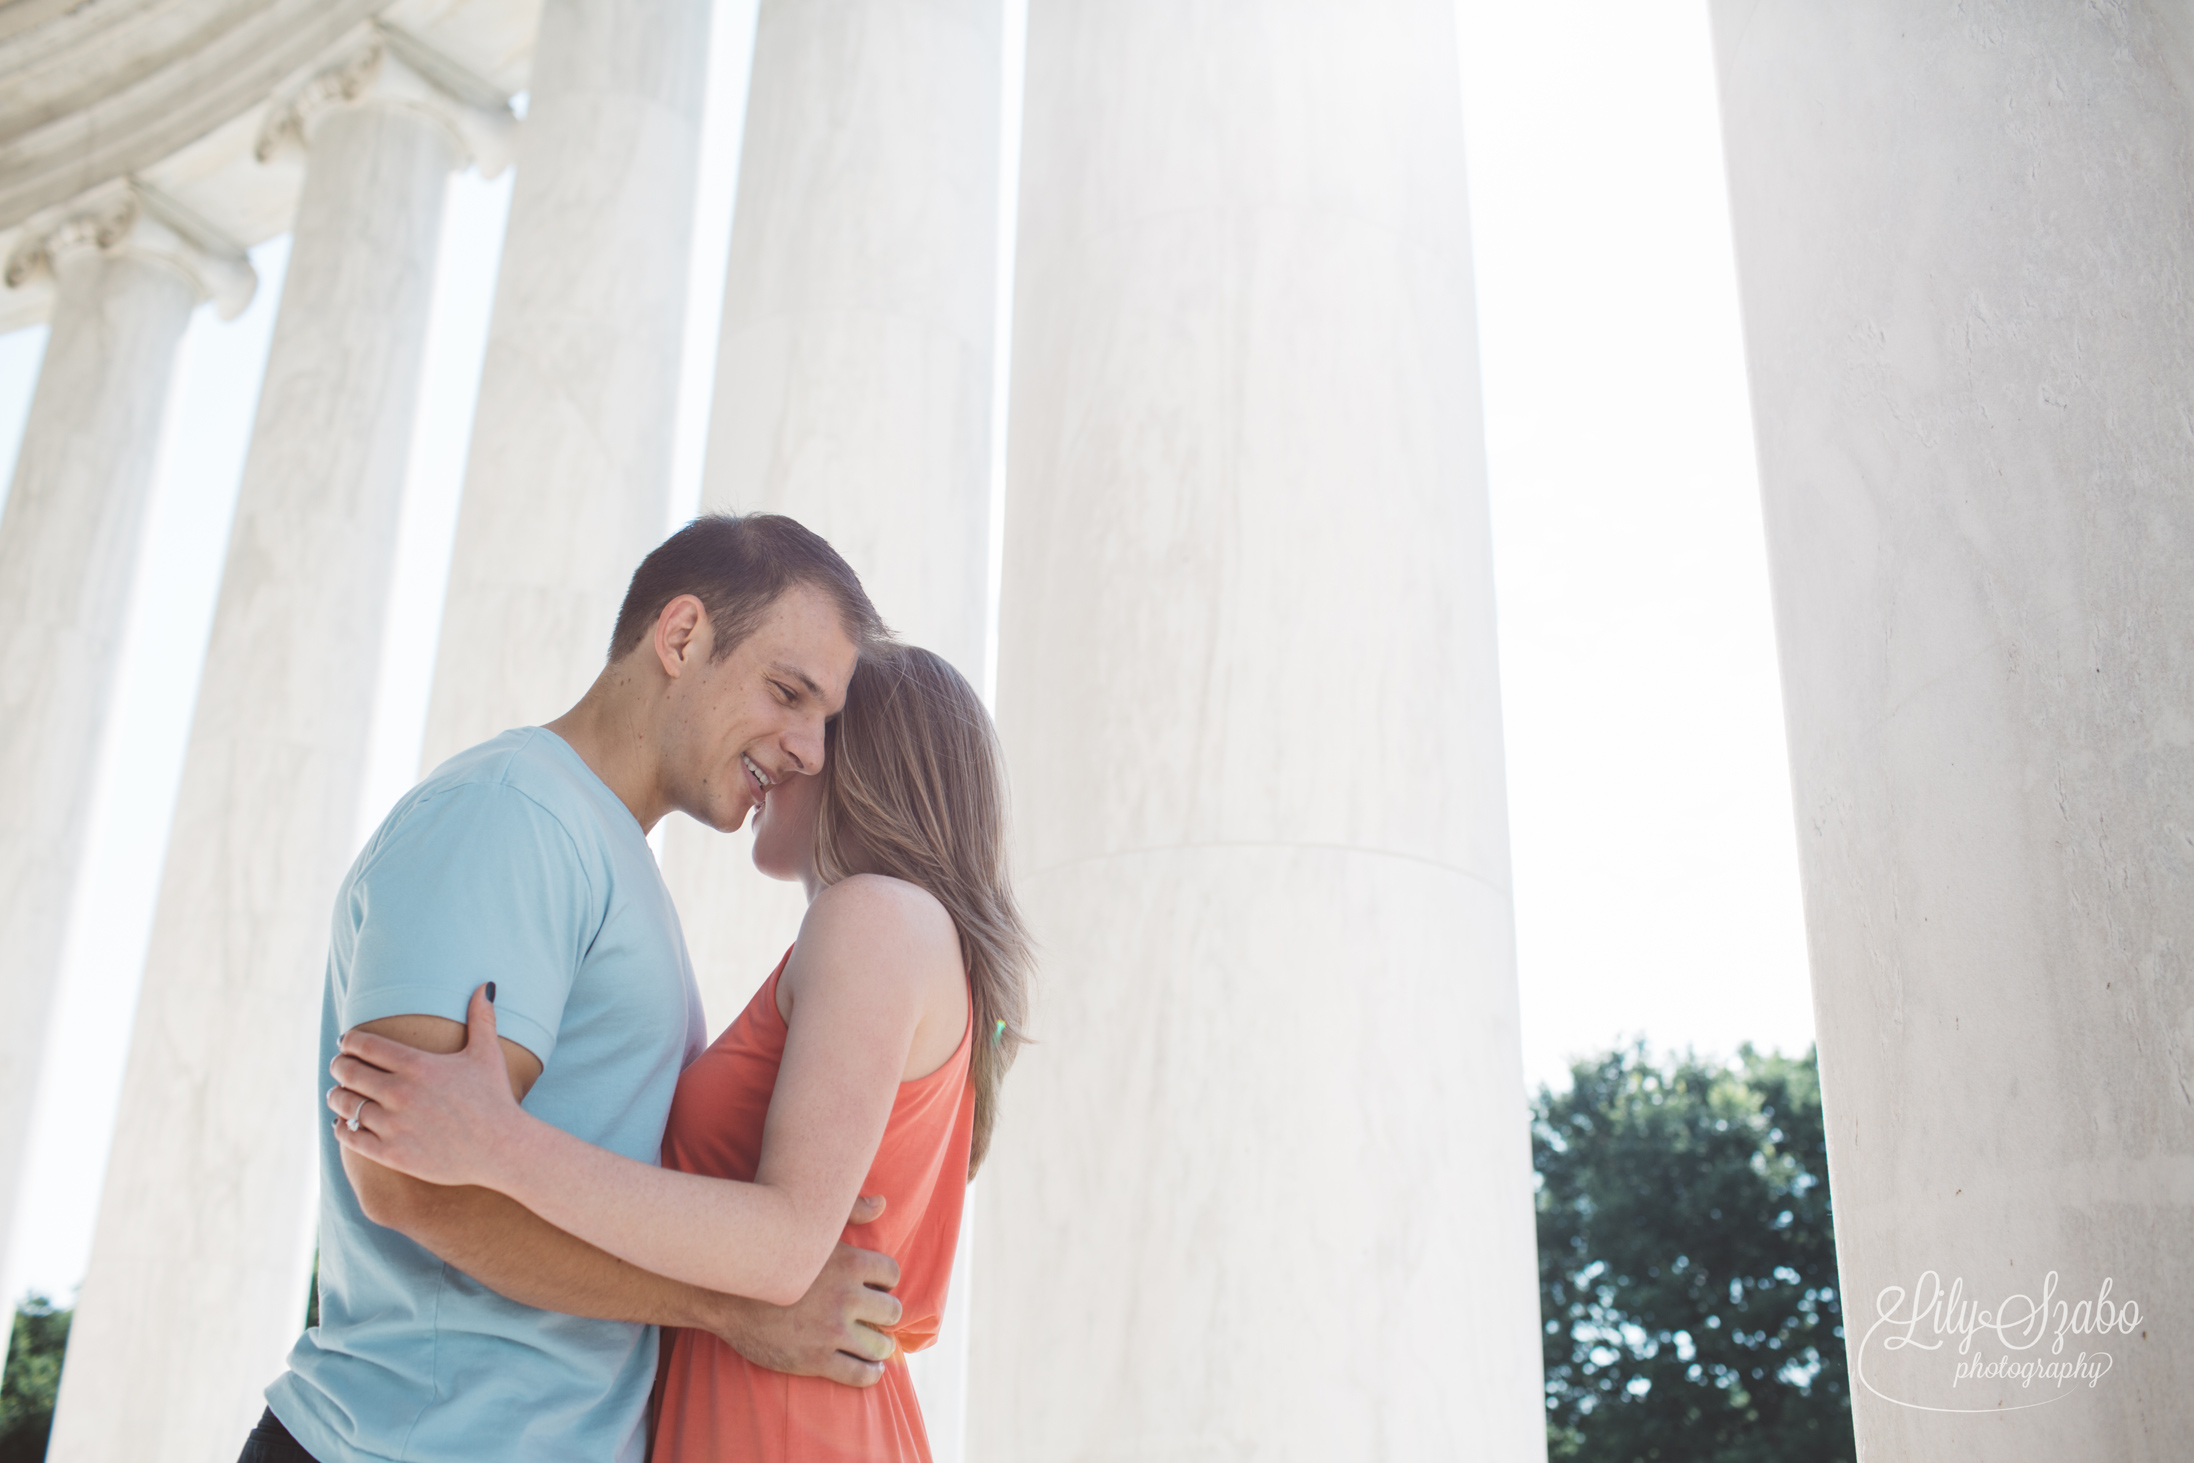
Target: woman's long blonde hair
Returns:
[914, 786]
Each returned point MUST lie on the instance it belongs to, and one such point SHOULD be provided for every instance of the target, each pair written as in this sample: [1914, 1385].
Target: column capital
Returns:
[126, 217]
[378, 64]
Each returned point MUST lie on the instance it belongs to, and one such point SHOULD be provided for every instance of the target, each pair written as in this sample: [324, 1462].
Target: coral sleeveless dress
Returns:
[716, 1406]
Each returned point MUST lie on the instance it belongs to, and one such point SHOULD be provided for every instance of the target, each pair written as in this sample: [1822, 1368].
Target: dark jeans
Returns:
[270, 1442]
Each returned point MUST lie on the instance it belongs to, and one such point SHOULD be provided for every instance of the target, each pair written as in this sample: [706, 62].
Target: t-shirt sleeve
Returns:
[478, 883]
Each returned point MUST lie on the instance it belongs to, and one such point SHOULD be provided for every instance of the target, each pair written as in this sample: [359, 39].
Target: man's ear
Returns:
[682, 636]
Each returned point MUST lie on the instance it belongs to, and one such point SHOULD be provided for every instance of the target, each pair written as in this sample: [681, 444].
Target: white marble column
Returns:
[853, 374]
[1262, 1186]
[198, 1266]
[567, 487]
[853, 387]
[940, 1371]
[127, 269]
[1963, 234]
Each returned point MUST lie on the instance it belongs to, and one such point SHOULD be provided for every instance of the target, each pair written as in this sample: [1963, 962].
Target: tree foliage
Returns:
[1687, 1264]
[33, 1377]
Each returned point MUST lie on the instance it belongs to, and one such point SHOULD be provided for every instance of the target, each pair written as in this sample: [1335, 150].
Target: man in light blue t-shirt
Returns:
[455, 1324]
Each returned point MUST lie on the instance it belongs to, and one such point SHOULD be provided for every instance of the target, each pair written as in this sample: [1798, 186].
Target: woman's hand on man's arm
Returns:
[451, 1120]
[837, 1330]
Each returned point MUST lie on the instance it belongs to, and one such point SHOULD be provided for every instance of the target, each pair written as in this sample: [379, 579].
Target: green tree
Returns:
[1687, 1264]
[33, 1377]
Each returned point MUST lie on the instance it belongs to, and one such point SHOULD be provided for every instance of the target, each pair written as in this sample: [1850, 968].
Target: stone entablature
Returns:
[126, 217]
[176, 97]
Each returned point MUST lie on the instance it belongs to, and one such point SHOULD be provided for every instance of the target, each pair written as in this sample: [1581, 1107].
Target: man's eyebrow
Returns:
[799, 675]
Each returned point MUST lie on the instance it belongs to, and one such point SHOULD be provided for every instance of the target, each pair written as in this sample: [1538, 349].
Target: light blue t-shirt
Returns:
[514, 863]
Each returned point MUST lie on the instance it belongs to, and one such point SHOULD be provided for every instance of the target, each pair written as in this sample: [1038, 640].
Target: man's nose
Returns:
[804, 744]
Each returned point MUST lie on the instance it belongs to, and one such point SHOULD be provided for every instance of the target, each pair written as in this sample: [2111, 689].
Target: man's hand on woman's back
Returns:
[834, 1331]
[837, 1330]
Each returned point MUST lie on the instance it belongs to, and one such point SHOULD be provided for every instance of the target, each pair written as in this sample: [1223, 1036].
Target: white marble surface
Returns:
[1962, 232]
[127, 216]
[198, 1270]
[853, 389]
[939, 1371]
[1262, 1186]
[853, 373]
[68, 556]
[97, 92]
[567, 485]
[173, 94]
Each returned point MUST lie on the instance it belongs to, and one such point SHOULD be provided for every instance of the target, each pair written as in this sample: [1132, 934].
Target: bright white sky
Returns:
[1655, 862]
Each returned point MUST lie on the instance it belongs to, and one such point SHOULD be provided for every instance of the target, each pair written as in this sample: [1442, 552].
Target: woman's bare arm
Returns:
[835, 1330]
[869, 954]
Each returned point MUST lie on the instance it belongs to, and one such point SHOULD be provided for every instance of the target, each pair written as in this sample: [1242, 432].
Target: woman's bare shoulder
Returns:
[870, 908]
[893, 947]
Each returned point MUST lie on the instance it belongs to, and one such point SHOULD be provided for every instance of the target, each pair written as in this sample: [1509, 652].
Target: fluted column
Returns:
[853, 375]
[198, 1266]
[1262, 1186]
[1964, 235]
[128, 269]
[567, 488]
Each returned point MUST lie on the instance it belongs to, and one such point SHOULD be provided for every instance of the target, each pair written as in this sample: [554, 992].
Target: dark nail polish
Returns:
[491, 992]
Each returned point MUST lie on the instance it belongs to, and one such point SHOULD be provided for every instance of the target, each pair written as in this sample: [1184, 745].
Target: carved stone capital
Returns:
[380, 65]
[125, 217]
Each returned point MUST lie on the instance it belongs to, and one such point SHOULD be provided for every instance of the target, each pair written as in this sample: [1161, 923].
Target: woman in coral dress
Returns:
[867, 1064]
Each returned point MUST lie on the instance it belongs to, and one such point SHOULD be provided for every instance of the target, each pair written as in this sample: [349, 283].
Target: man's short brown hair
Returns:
[738, 566]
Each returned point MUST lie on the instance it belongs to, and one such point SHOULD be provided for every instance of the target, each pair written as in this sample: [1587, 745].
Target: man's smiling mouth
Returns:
[761, 778]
